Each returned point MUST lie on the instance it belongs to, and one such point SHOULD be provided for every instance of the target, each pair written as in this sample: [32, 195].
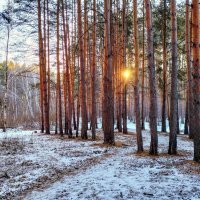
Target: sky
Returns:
[15, 53]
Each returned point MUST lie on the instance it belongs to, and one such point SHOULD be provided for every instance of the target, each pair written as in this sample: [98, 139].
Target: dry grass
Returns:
[12, 145]
[117, 144]
[160, 155]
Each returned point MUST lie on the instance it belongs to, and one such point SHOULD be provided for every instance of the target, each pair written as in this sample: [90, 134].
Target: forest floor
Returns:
[46, 167]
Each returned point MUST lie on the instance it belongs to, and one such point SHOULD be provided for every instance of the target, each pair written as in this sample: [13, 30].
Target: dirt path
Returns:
[46, 181]
[126, 175]
[75, 169]
[30, 162]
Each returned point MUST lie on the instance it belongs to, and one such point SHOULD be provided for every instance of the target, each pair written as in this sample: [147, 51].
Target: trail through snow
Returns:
[126, 175]
[48, 168]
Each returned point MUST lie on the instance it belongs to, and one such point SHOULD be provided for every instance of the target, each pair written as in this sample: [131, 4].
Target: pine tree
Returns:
[82, 70]
[196, 78]
[136, 81]
[152, 81]
[108, 104]
[174, 82]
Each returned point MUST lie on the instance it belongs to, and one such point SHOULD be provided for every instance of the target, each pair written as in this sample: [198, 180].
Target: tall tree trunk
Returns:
[119, 89]
[86, 57]
[124, 66]
[196, 78]
[46, 107]
[136, 81]
[48, 67]
[152, 81]
[73, 55]
[189, 71]
[58, 71]
[78, 103]
[56, 110]
[82, 70]
[174, 79]
[93, 95]
[67, 78]
[41, 65]
[108, 107]
[65, 90]
[143, 71]
[164, 69]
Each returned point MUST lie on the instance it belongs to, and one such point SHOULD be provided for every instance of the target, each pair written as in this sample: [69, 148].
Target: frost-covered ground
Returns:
[132, 126]
[48, 168]
[30, 160]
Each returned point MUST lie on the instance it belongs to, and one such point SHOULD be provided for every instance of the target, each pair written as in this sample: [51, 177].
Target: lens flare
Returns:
[126, 74]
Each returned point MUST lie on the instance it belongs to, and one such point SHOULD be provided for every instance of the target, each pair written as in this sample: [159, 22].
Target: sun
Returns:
[126, 74]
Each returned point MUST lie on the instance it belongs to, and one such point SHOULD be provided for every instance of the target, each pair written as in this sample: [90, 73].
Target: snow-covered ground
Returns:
[30, 160]
[132, 125]
[48, 167]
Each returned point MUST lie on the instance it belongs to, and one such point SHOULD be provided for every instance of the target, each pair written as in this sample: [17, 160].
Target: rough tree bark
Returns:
[67, 78]
[136, 80]
[174, 83]
[143, 71]
[119, 90]
[58, 71]
[48, 67]
[164, 33]
[45, 100]
[124, 66]
[41, 65]
[196, 78]
[186, 131]
[82, 70]
[108, 105]
[189, 70]
[152, 81]
[93, 95]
